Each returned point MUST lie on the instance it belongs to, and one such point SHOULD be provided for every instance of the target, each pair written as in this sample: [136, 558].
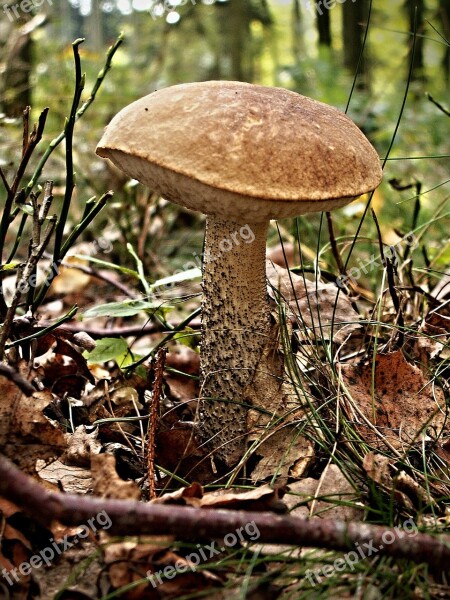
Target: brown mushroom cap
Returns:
[242, 151]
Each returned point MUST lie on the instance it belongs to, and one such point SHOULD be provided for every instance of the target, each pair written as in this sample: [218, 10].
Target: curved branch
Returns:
[132, 518]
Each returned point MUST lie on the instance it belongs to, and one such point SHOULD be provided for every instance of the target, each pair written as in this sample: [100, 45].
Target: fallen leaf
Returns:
[404, 405]
[73, 480]
[281, 253]
[30, 422]
[405, 490]
[80, 446]
[9, 395]
[264, 498]
[283, 450]
[107, 483]
[330, 497]
[316, 308]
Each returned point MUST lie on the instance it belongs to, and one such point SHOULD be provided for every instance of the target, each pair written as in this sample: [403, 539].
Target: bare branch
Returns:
[132, 518]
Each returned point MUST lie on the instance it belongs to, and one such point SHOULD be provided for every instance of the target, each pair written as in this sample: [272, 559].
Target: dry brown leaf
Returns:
[80, 446]
[283, 451]
[404, 402]
[107, 482]
[119, 558]
[175, 445]
[279, 254]
[273, 426]
[378, 468]
[74, 480]
[259, 499]
[321, 498]
[70, 279]
[9, 395]
[190, 495]
[30, 422]
[132, 561]
[433, 336]
[406, 490]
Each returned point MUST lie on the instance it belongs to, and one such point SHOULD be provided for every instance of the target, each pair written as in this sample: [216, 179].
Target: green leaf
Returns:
[126, 359]
[188, 337]
[9, 266]
[107, 265]
[178, 277]
[107, 349]
[26, 208]
[126, 308]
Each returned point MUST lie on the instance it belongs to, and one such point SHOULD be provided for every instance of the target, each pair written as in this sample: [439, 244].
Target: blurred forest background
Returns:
[297, 44]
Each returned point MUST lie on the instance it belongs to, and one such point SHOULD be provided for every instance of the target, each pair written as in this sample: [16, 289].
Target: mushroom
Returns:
[242, 154]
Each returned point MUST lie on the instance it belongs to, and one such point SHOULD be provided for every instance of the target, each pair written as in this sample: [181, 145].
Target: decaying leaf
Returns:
[315, 307]
[147, 560]
[107, 483]
[184, 360]
[283, 255]
[273, 427]
[403, 407]
[70, 279]
[73, 480]
[31, 423]
[283, 452]
[9, 395]
[405, 490]
[259, 499]
[331, 497]
[190, 495]
[80, 446]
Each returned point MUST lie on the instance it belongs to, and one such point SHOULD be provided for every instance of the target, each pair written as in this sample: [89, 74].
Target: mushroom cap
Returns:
[242, 151]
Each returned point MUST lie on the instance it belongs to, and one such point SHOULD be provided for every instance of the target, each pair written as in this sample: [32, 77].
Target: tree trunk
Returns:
[354, 19]
[444, 9]
[17, 57]
[323, 24]
[235, 60]
[416, 17]
[297, 31]
[94, 28]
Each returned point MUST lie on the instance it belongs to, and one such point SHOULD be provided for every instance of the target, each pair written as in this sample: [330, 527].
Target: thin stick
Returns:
[160, 361]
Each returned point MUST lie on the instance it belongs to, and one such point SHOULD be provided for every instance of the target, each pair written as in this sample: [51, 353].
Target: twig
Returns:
[380, 239]
[133, 518]
[33, 140]
[439, 106]
[24, 277]
[103, 276]
[160, 360]
[71, 239]
[131, 331]
[40, 332]
[55, 143]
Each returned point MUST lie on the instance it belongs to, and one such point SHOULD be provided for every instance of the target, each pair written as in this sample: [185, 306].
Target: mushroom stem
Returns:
[236, 326]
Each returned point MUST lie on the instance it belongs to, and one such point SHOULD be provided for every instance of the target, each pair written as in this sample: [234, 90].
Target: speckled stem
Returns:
[236, 325]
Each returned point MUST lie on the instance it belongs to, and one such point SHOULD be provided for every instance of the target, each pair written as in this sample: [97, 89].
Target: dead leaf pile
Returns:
[392, 404]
